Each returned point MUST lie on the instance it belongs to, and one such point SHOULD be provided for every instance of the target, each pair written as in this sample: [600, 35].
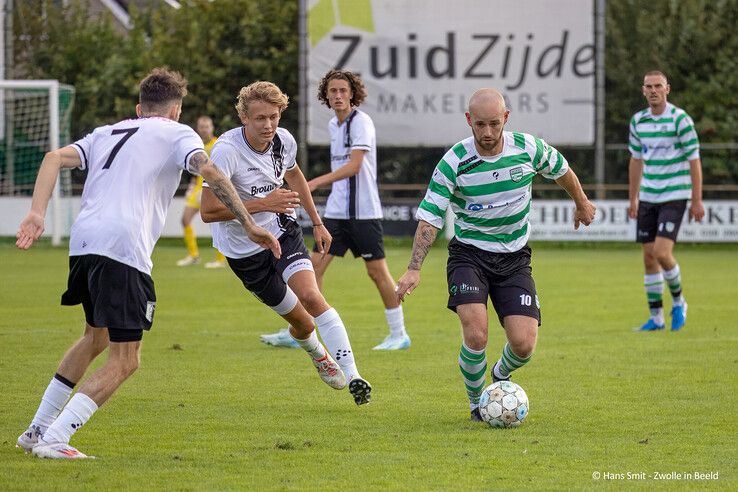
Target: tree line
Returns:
[221, 46]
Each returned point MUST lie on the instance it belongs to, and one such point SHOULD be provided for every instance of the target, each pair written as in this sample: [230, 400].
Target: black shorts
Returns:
[114, 296]
[362, 237]
[262, 274]
[659, 219]
[473, 274]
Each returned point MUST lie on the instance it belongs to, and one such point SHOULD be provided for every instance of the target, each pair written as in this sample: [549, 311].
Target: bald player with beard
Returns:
[486, 179]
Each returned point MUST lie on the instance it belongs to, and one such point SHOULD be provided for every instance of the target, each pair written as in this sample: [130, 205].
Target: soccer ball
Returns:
[503, 404]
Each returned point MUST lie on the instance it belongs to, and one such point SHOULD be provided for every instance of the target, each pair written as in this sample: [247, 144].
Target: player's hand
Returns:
[323, 239]
[584, 213]
[633, 209]
[407, 284]
[265, 239]
[696, 210]
[313, 185]
[29, 230]
[282, 201]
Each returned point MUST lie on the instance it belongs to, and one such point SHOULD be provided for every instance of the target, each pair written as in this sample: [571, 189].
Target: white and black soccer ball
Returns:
[503, 404]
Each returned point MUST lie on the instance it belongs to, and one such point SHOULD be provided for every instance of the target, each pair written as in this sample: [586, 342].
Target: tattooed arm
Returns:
[425, 235]
[222, 187]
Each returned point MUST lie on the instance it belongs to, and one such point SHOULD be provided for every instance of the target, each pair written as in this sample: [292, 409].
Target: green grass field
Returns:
[211, 408]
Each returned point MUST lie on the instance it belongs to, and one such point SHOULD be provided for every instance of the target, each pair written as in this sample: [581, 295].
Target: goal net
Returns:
[35, 118]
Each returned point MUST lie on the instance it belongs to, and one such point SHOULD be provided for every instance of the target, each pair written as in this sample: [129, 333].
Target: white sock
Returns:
[311, 345]
[77, 412]
[55, 396]
[396, 321]
[333, 333]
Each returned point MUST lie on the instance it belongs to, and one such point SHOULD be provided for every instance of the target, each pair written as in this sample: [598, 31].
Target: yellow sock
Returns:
[219, 256]
[191, 241]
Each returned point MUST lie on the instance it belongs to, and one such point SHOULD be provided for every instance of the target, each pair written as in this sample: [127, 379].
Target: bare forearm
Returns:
[635, 173]
[425, 235]
[346, 171]
[45, 182]
[296, 181]
[221, 187]
[695, 171]
[570, 183]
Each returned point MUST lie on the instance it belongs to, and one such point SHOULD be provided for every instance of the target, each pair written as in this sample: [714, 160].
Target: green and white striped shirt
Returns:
[666, 143]
[491, 196]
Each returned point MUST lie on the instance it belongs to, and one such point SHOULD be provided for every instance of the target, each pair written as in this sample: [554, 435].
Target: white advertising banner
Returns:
[422, 59]
[552, 220]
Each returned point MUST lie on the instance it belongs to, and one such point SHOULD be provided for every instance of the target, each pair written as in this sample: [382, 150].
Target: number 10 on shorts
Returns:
[527, 300]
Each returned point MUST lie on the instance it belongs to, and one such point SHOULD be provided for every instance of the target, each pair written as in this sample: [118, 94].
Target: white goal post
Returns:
[31, 125]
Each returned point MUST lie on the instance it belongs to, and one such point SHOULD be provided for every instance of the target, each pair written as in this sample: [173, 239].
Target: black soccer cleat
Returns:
[361, 390]
[475, 415]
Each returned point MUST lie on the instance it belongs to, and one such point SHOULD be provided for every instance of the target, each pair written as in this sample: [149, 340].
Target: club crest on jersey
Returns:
[516, 174]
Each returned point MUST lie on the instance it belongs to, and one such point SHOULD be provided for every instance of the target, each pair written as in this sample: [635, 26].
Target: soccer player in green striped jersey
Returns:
[486, 179]
[664, 172]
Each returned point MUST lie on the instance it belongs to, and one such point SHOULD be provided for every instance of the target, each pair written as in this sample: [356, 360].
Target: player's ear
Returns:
[138, 110]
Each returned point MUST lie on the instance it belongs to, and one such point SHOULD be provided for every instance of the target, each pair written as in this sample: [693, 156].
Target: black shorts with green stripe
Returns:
[506, 278]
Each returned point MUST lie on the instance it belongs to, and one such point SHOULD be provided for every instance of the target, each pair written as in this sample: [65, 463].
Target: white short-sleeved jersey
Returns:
[254, 174]
[356, 197]
[133, 169]
[490, 196]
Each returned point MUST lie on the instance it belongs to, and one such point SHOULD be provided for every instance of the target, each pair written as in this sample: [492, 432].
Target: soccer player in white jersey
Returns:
[259, 157]
[486, 180]
[664, 172]
[353, 214]
[133, 168]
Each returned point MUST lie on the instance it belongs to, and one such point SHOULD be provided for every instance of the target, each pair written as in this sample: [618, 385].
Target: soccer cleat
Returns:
[280, 339]
[188, 260]
[678, 317]
[361, 390]
[495, 378]
[330, 372]
[29, 439]
[394, 343]
[650, 325]
[58, 451]
[215, 264]
[475, 415]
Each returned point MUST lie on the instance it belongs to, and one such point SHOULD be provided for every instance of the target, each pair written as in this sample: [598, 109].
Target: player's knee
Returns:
[313, 302]
[130, 365]
[663, 256]
[476, 340]
[524, 346]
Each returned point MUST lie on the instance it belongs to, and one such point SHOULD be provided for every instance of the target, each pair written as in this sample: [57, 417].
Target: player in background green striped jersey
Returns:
[664, 172]
[486, 179]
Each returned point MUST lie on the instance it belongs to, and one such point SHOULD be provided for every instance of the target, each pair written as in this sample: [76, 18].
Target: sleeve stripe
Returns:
[84, 155]
[559, 163]
[187, 159]
[432, 208]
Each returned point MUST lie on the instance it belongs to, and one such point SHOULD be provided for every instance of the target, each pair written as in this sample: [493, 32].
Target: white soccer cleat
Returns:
[330, 372]
[188, 260]
[394, 343]
[215, 264]
[57, 451]
[280, 339]
[28, 439]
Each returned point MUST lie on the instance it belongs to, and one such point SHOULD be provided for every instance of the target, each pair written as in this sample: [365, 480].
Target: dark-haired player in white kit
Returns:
[353, 213]
[133, 169]
[259, 157]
